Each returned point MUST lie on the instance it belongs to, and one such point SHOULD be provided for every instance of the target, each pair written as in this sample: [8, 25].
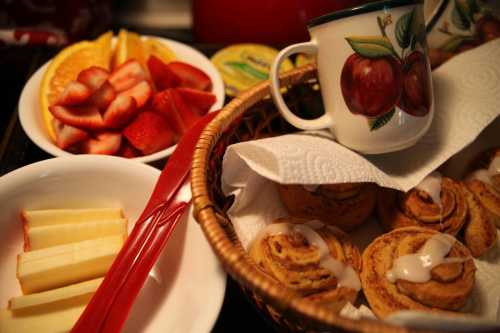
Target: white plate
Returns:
[32, 123]
[185, 289]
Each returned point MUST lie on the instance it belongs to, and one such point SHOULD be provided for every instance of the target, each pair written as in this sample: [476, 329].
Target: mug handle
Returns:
[325, 121]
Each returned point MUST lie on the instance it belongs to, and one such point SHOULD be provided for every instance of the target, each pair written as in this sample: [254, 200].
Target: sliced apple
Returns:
[38, 218]
[46, 236]
[49, 318]
[55, 295]
[61, 265]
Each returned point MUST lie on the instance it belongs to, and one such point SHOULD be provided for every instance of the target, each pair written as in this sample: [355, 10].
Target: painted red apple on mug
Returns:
[376, 78]
[416, 91]
[371, 86]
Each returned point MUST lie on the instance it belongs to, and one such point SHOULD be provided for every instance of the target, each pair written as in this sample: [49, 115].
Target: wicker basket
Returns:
[253, 115]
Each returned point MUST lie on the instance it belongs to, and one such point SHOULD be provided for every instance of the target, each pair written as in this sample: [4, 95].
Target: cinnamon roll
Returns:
[313, 259]
[484, 183]
[417, 207]
[343, 205]
[479, 232]
[416, 268]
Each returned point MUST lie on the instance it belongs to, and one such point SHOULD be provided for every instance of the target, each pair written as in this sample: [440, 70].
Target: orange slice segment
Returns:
[155, 47]
[128, 46]
[65, 67]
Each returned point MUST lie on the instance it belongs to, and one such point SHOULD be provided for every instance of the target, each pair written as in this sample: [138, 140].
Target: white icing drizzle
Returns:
[345, 274]
[310, 187]
[432, 185]
[482, 175]
[494, 168]
[485, 175]
[417, 267]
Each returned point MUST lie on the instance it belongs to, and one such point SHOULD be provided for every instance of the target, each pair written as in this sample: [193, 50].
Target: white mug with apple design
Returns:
[374, 75]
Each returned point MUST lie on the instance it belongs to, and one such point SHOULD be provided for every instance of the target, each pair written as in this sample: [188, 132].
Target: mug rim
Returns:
[362, 9]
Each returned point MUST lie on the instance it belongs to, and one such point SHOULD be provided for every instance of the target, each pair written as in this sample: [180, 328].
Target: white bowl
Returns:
[32, 123]
[184, 291]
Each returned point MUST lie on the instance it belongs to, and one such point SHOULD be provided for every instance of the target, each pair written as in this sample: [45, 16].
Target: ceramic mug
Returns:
[374, 75]
[455, 26]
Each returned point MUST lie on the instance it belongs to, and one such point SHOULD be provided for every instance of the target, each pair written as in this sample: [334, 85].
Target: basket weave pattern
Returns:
[249, 116]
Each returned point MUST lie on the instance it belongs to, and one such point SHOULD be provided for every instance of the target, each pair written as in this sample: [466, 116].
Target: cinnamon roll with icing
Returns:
[415, 268]
[343, 205]
[484, 183]
[437, 203]
[313, 259]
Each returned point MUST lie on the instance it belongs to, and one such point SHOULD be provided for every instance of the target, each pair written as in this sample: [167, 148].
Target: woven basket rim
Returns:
[231, 257]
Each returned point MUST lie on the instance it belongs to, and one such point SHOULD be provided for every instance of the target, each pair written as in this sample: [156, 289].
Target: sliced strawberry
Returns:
[201, 101]
[127, 75]
[85, 117]
[93, 77]
[103, 96]
[140, 92]
[149, 133]
[163, 103]
[162, 75]
[74, 93]
[128, 151]
[67, 135]
[120, 111]
[188, 115]
[191, 76]
[104, 143]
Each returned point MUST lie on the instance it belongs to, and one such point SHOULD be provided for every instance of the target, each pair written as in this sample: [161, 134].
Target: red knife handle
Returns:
[124, 264]
[125, 298]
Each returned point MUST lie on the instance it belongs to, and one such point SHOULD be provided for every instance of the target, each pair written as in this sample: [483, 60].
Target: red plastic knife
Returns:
[111, 304]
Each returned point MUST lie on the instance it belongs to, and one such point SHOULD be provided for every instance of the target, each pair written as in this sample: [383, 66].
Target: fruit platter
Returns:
[131, 96]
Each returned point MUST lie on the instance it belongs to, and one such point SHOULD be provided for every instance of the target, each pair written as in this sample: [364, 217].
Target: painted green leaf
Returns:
[381, 121]
[410, 29]
[404, 29]
[461, 15]
[372, 46]
[454, 42]
[473, 9]
[241, 66]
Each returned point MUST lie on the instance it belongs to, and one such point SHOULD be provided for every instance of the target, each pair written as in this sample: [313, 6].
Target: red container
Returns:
[260, 21]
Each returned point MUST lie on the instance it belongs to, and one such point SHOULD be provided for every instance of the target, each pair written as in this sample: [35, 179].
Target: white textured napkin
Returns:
[467, 95]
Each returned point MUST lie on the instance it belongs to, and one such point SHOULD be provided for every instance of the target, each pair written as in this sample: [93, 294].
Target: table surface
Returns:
[16, 150]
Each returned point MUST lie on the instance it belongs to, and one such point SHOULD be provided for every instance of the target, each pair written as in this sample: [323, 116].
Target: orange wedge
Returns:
[128, 46]
[65, 67]
[155, 47]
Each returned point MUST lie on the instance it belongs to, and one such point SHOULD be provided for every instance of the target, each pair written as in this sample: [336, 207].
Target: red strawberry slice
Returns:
[93, 77]
[74, 93]
[127, 75]
[201, 101]
[85, 117]
[128, 151]
[149, 133]
[67, 135]
[103, 96]
[161, 74]
[120, 111]
[188, 115]
[104, 143]
[140, 92]
[163, 103]
[191, 76]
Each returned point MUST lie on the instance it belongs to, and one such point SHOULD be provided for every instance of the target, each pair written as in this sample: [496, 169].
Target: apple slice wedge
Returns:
[66, 264]
[38, 218]
[54, 295]
[52, 235]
